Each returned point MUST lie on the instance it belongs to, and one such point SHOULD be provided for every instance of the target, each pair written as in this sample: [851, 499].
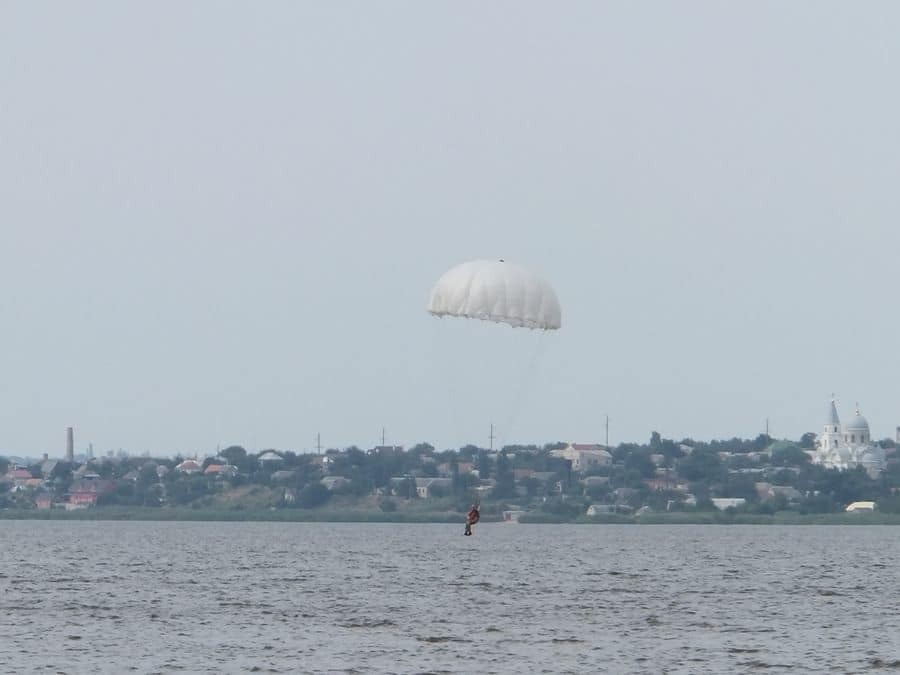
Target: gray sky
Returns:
[219, 222]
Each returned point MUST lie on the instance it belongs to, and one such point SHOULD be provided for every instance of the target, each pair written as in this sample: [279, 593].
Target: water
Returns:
[79, 597]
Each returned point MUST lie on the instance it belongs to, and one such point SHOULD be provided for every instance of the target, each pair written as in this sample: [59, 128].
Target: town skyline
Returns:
[87, 450]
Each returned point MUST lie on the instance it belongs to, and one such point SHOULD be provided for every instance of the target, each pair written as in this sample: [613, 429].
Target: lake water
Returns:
[87, 597]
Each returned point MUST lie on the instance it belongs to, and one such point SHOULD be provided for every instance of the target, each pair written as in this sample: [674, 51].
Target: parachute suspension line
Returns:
[524, 387]
[444, 367]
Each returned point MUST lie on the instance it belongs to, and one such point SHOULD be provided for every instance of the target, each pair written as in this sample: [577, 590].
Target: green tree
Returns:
[313, 495]
[790, 455]
[422, 449]
[640, 461]
[505, 487]
[406, 488]
[701, 465]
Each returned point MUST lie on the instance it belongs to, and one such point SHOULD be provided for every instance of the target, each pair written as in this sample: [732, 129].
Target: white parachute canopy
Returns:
[496, 291]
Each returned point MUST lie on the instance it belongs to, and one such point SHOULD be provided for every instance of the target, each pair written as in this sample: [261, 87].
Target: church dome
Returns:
[857, 423]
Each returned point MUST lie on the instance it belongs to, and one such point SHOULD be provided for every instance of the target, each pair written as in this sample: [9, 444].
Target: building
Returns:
[270, 459]
[427, 488]
[189, 466]
[605, 509]
[584, 456]
[723, 503]
[847, 446]
[334, 482]
[860, 507]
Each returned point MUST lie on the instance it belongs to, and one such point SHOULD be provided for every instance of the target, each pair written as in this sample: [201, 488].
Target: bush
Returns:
[313, 495]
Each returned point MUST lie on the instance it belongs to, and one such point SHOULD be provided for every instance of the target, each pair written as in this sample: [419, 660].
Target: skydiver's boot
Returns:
[468, 531]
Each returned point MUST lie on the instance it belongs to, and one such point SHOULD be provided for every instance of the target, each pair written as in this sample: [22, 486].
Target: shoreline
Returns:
[443, 517]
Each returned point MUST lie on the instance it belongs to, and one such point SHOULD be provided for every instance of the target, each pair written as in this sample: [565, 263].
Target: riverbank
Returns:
[369, 516]
[722, 518]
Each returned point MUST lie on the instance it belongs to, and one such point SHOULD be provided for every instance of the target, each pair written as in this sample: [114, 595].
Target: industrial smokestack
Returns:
[70, 445]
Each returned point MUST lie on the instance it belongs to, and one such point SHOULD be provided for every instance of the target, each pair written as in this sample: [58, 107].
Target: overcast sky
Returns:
[220, 222]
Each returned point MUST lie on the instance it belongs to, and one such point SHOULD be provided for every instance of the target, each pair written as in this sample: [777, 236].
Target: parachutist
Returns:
[473, 517]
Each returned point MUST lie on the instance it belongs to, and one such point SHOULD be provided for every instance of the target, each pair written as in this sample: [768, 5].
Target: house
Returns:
[623, 494]
[445, 469]
[523, 474]
[270, 459]
[334, 482]
[81, 500]
[86, 492]
[385, 450]
[43, 501]
[189, 466]
[427, 488]
[584, 456]
[667, 483]
[861, 507]
[222, 471]
[767, 491]
[603, 509]
[48, 466]
[723, 503]
[17, 476]
[544, 476]
[513, 515]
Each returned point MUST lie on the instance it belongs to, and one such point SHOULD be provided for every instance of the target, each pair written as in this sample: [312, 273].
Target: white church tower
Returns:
[831, 439]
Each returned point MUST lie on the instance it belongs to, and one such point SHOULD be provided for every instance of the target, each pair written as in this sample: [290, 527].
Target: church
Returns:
[849, 445]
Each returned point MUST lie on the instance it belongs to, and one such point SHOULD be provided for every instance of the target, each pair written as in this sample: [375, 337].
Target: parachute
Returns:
[496, 291]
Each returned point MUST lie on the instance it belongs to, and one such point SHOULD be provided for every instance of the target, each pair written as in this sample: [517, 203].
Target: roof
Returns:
[833, 418]
[270, 456]
[857, 423]
[589, 447]
[430, 482]
[386, 449]
[544, 476]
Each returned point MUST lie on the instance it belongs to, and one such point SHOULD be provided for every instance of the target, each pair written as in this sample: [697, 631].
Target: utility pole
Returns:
[491, 437]
[318, 443]
[382, 437]
[607, 431]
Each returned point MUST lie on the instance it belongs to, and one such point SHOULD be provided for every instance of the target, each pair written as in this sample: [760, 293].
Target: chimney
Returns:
[46, 457]
[70, 445]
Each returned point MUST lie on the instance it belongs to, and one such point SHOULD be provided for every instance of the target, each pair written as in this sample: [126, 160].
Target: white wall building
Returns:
[849, 445]
[584, 456]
